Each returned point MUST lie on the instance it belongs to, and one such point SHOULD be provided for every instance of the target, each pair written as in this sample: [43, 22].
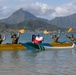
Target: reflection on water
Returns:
[53, 62]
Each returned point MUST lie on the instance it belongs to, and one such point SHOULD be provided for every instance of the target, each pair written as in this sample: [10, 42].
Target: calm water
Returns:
[28, 62]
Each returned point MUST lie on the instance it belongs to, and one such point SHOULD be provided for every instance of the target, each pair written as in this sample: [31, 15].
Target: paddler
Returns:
[15, 37]
[2, 39]
[71, 38]
[55, 38]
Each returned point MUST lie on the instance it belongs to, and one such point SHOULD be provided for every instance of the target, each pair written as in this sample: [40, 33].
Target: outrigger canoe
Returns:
[46, 46]
[33, 46]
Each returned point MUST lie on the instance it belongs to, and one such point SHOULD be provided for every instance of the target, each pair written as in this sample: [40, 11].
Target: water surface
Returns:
[29, 62]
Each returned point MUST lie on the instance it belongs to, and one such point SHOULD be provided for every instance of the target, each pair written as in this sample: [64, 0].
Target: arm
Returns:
[50, 35]
[42, 38]
[59, 35]
[11, 34]
[67, 36]
[4, 37]
[18, 34]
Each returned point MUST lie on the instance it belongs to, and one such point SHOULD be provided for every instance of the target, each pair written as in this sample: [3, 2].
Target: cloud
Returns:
[64, 10]
[49, 12]
[13, 0]
[40, 10]
[5, 12]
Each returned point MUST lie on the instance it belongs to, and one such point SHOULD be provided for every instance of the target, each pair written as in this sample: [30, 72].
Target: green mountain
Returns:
[24, 19]
[18, 16]
[65, 22]
[35, 24]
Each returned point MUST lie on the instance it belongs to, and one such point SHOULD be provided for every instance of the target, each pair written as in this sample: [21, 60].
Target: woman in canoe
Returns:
[37, 39]
[2, 39]
[55, 38]
[71, 38]
[15, 37]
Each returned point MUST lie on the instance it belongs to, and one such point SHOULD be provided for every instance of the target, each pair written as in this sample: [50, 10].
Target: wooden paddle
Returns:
[69, 30]
[46, 32]
[21, 31]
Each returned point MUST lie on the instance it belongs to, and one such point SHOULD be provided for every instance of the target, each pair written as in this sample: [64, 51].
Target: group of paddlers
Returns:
[37, 39]
[14, 38]
[56, 37]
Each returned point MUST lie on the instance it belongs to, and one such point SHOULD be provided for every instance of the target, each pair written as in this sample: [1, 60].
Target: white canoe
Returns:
[49, 46]
[66, 47]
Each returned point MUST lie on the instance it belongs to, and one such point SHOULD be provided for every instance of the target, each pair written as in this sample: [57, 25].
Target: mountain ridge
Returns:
[18, 16]
[65, 21]
[21, 16]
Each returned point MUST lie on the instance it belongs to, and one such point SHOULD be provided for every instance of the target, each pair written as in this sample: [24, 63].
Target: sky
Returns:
[48, 9]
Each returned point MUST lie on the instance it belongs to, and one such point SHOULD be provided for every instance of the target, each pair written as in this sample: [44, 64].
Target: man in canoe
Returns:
[55, 37]
[2, 39]
[15, 37]
[71, 38]
[37, 39]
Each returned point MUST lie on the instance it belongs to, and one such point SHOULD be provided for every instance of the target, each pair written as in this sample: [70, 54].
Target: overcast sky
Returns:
[47, 9]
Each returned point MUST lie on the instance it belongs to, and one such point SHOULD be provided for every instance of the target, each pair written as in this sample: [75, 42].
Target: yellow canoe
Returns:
[64, 44]
[43, 46]
[12, 47]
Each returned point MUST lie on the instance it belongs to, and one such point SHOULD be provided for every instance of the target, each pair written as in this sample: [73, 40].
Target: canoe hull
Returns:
[46, 46]
[12, 47]
[66, 47]
[33, 46]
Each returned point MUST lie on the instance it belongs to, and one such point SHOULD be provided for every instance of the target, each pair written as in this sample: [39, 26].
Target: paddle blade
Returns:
[21, 31]
[46, 32]
[69, 30]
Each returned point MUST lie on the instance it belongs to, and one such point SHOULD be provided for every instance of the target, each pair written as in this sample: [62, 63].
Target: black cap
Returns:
[14, 34]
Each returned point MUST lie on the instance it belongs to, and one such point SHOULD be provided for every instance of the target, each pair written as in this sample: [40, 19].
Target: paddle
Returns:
[46, 32]
[69, 30]
[21, 31]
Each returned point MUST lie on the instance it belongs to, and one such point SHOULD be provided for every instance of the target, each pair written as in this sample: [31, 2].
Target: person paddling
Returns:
[2, 39]
[71, 38]
[15, 37]
[55, 38]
